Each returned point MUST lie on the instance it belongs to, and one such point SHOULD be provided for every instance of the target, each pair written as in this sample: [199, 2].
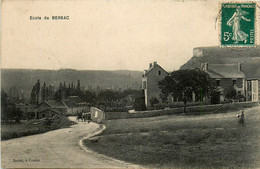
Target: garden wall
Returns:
[194, 110]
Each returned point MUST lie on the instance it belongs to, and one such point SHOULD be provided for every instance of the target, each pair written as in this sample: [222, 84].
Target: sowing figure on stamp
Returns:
[234, 21]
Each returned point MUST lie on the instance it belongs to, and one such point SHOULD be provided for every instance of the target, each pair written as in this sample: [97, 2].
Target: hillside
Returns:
[23, 79]
[249, 58]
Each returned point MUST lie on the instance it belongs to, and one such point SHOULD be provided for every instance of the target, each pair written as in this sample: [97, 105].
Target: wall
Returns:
[42, 107]
[227, 82]
[48, 114]
[205, 109]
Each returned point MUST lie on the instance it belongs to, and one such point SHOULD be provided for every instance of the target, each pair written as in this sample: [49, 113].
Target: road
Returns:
[56, 149]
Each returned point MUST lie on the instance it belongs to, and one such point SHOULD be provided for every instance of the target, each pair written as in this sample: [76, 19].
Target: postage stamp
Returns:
[238, 25]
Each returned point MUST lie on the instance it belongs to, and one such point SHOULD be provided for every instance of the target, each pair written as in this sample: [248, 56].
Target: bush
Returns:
[153, 101]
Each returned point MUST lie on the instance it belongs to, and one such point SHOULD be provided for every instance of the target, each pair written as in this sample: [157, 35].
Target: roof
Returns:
[65, 103]
[153, 66]
[61, 104]
[250, 79]
[73, 102]
[223, 71]
[50, 103]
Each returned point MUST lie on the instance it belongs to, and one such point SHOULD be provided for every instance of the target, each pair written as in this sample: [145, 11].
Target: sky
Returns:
[106, 34]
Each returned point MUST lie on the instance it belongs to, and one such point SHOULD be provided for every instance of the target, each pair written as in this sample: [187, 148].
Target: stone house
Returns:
[225, 76]
[150, 80]
[44, 106]
[72, 105]
[49, 113]
[69, 106]
[28, 110]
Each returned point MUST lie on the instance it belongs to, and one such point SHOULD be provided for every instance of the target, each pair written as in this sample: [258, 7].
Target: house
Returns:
[252, 90]
[129, 101]
[225, 76]
[49, 113]
[150, 80]
[72, 105]
[44, 106]
[69, 106]
[28, 110]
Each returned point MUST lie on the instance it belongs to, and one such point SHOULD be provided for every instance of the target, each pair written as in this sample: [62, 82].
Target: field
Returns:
[25, 128]
[177, 141]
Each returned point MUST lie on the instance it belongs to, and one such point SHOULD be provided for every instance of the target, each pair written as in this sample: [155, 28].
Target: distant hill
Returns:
[24, 79]
[248, 57]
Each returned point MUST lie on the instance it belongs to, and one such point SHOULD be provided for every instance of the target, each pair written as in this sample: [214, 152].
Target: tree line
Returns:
[105, 98]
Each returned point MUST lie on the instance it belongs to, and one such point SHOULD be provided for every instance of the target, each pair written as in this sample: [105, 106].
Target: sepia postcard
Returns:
[130, 84]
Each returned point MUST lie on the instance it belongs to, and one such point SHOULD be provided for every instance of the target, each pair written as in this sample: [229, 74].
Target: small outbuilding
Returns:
[49, 113]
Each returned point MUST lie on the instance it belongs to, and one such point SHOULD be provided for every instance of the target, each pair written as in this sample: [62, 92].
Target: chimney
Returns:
[206, 66]
[151, 65]
[154, 63]
[239, 66]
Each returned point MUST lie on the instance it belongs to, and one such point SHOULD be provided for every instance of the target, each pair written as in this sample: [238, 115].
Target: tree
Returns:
[33, 95]
[44, 92]
[37, 89]
[230, 92]
[153, 101]
[183, 83]
[8, 109]
[139, 103]
[78, 85]
[89, 97]
[108, 96]
[4, 106]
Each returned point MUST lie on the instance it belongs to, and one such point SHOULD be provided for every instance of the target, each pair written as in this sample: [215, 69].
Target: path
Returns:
[56, 149]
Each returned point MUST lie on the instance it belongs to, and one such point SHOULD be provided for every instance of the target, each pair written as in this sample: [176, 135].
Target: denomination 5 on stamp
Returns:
[238, 24]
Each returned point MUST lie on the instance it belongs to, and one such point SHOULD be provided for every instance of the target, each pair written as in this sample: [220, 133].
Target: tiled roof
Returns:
[223, 71]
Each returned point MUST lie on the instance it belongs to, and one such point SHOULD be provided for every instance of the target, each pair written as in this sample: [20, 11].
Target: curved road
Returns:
[56, 149]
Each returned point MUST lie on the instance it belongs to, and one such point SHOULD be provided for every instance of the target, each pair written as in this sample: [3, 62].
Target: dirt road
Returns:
[56, 149]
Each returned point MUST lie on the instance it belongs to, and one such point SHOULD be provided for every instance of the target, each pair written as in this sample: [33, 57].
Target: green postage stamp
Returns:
[238, 24]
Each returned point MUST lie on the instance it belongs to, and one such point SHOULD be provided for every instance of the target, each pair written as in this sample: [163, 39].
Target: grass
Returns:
[206, 141]
[13, 130]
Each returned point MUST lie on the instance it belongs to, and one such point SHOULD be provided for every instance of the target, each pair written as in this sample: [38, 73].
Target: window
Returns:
[217, 82]
[159, 72]
[234, 82]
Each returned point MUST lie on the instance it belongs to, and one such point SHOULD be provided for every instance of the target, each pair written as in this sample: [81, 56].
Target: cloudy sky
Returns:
[105, 34]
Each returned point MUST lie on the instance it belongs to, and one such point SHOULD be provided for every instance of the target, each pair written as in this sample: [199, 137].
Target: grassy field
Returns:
[206, 141]
[13, 130]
